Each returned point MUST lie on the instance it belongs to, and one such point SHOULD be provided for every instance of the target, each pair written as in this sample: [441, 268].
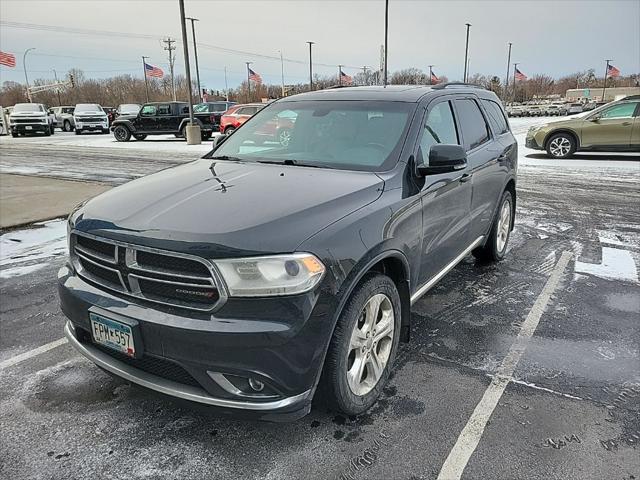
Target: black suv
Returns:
[263, 272]
[161, 118]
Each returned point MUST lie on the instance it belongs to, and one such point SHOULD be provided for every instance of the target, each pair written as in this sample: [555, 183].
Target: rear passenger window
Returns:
[439, 128]
[472, 123]
[496, 117]
[164, 109]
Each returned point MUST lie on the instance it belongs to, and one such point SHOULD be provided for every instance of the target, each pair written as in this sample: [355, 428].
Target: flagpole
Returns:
[226, 86]
[431, 74]
[340, 75]
[606, 74]
[248, 83]
[146, 82]
[515, 67]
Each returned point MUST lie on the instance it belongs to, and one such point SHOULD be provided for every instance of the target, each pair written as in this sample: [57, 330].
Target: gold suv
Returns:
[612, 127]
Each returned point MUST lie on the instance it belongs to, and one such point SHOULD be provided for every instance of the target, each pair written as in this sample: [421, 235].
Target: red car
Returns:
[237, 115]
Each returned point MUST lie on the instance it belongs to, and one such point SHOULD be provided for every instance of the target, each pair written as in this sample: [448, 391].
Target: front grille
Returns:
[91, 119]
[27, 120]
[158, 276]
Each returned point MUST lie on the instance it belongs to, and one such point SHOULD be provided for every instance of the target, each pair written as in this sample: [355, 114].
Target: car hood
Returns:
[228, 209]
[28, 114]
[90, 114]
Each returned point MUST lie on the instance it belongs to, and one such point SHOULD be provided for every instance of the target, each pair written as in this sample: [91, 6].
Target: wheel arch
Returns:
[124, 123]
[511, 187]
[573, 134]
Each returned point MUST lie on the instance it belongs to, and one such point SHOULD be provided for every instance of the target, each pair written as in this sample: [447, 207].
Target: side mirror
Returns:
[218, 140]
[595, 118]
[442, 159]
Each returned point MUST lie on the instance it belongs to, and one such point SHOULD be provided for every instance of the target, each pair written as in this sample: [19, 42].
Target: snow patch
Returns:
[617, 264]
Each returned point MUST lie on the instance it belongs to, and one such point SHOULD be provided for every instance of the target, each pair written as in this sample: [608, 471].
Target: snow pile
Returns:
[26, 251]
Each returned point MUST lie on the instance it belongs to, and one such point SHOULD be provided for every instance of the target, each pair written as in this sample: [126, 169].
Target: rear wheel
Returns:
[496, 246]
[561, 145]
[121, 133]
[229, 130]
[363, 346]
[66, 126]
[206, 136]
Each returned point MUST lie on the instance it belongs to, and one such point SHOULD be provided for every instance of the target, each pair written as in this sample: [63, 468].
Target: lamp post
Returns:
[466, 53]
[144, 72]
[506, 82]
[195, 54]
[386, 41]
[192, 130]
[24, 64]
[310, 67]
[282, 71]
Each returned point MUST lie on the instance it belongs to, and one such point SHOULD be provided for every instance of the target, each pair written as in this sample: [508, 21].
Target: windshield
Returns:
[27, 107]
[88, 107]
[350, 135]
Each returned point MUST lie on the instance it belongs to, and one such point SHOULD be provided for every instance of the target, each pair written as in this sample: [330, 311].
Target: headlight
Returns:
[272, 275]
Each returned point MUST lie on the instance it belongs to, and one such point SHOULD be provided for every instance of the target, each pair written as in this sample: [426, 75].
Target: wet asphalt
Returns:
[572, 410]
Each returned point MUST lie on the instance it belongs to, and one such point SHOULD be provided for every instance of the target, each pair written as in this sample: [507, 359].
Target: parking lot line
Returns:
[470, 436]
[31, 353]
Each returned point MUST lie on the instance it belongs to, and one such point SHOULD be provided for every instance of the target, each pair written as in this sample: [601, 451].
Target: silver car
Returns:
[63, 117]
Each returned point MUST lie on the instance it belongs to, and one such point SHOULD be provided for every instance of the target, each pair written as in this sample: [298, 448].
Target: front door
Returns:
[148, 121]
[610, 127]
[446, 197]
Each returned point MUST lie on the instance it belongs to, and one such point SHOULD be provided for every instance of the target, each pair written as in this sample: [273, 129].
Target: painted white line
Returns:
[31, 353]
[470, 436]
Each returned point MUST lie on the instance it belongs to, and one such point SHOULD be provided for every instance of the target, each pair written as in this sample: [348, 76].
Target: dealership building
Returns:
[588, 94]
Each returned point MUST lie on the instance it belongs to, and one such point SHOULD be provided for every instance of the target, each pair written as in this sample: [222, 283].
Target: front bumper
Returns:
[29, 127]
[79, 125]
[535, 139]
[280, 342]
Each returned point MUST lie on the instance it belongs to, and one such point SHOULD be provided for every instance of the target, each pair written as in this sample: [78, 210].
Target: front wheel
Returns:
[47, 132]
[66, 126]
[496, 246]
[205, 136]
[561, 145]
[121, 133]
[229, 130]
[14, 134]
[53, 129]
[363, 346]
[78, 131]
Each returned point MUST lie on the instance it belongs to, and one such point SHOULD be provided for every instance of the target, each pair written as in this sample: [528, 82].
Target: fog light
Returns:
[256, 385]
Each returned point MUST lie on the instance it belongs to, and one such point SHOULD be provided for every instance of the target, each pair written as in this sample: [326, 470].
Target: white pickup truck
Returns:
[30, 118]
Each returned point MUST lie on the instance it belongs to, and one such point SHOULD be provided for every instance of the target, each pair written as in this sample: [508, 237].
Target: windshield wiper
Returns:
[288, 161]
[226, 157]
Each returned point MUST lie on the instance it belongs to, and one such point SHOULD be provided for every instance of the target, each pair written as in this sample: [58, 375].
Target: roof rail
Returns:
[442, 86]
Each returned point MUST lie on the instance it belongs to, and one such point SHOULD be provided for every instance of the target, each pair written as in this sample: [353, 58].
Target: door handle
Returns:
[465, 177]
[626, 124]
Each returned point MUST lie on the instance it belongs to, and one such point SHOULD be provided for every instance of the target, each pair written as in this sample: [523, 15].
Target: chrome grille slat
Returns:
[178, 289]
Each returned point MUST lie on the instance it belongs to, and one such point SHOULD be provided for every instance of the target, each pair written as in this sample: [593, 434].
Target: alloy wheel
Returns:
[560, 146]
[504, 224]
[370, 344]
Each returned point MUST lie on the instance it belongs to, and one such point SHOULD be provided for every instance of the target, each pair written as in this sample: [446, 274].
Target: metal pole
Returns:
[466, 53]
[248, 83]
[26, 79]
[310, 68]
[431, 74]
[55, 75]
[340, 75]
[506, 82]
[515, 67]
[386, 40]
[226, 87]
[186, 61]
[144, 72]
[282, 71]
[364, 74]
[606, 74]
[195, 54]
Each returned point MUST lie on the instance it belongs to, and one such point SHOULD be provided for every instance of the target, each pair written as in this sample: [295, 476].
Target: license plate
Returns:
[112, 334]
[28, 127]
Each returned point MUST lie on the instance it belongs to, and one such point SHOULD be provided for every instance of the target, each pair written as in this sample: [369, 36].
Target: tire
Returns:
[284, 137]
[496, 246]
[183, 132]
[354, 393]
[122, 133]
[53, 130]
[47, 132]
[206, 136]
[105, 130]
[14, 134]
[140, 136]
[78, 132]
[177, 135]
[561, 145]
[66, 126]
[229, 130]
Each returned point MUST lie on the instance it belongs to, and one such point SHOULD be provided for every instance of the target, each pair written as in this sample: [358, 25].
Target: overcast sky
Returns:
[554, 37]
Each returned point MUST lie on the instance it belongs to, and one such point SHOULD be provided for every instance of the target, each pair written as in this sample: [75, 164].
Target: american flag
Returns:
[519, 75]
[612, 71]
[152, 71]
[7, 59]
[255, 77]
[434, 78]
[345, 79]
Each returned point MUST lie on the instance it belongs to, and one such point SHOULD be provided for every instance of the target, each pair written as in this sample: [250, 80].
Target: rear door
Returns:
[446, 197]
[483, 154]
[611, 127]
[165, 120]
[148, 119]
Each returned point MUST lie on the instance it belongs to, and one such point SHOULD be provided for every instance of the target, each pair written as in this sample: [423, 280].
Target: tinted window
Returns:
[472, 124]
[439, 128]
[619, 111]
[164, 109]
[148, 110]
[496, 117]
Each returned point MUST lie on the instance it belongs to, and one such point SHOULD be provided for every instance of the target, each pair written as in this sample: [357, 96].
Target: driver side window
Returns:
[440, 127]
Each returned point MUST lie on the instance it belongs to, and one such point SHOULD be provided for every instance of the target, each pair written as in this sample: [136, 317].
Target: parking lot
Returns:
[553, 328]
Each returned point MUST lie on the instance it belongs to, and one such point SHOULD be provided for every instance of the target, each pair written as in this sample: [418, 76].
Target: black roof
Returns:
[391, 93]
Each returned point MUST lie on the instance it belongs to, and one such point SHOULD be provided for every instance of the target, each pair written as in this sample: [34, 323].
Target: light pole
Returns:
[195, 54]
[26, 78]
[506, 82]
[386, 40]
[282, 71]
[466, 53]
[606, 74]
[310, 67]
[144, 72]
[340, 75]
[192, 130]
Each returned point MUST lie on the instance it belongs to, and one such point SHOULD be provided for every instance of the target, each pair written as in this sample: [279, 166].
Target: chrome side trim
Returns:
[448, 267]
[168, 387]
